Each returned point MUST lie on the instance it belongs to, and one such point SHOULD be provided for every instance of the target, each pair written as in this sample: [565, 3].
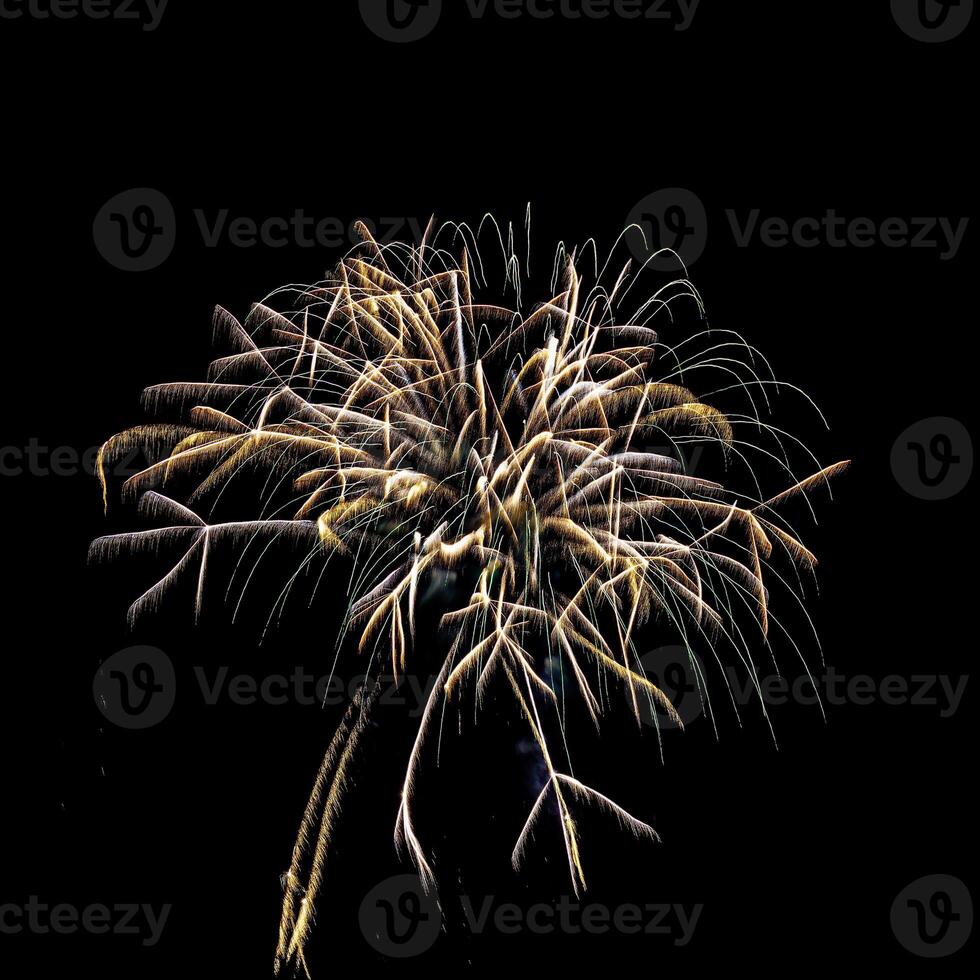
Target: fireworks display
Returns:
[537, 458]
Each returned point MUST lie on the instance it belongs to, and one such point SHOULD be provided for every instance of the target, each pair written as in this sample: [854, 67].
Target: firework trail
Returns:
[536, 459]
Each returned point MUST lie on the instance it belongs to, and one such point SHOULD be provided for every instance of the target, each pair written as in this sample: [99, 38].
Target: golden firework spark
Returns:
[539, 457]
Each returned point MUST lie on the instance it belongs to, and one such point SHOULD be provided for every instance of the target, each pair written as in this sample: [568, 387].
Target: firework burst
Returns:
[540, 459]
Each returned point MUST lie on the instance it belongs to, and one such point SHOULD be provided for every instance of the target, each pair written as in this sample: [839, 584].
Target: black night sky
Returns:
[813, 161]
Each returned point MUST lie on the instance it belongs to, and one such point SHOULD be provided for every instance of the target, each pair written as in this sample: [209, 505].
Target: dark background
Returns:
[796, 853]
